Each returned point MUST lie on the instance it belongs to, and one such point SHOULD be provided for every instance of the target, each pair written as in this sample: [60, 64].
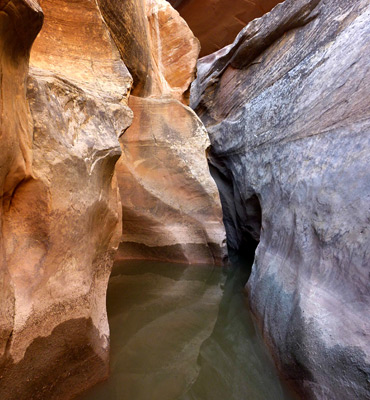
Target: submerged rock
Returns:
[287, 111]
[170, 204]
[61, 220]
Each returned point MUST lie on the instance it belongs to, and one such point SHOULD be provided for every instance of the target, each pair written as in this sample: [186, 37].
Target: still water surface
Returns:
[184, 333]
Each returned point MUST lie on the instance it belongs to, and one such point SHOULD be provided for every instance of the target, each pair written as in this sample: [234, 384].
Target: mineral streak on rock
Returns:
[288, 113]
[171, 208]
[61, 213]
[156, 45]
[216, 22]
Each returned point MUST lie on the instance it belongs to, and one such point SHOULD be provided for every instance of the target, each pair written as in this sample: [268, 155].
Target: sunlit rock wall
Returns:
[288, 113]
[170, 204]
[60, 210]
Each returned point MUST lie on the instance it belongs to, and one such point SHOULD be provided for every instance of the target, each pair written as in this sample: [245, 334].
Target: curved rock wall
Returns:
[61, 214]
[156, 45]
[170, 204]
[287, 111]
[63, 107]
[20, 22]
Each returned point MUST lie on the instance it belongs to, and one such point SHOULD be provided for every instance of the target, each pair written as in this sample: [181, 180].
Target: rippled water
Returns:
[183, 333]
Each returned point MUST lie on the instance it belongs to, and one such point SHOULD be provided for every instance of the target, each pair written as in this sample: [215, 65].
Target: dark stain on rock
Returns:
[73, 365]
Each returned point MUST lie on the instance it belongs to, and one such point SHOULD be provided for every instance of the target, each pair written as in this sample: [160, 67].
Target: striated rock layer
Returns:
[170, 204]
[288, 113]
[216, 22]
[60, 210]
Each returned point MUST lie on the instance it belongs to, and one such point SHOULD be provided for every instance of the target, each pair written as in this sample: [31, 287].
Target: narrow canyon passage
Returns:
[184, 332]
[114, 118]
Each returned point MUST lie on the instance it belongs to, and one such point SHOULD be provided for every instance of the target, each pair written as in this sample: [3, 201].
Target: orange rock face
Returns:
[217, 22]
[63, 106]
[171, 209]
[169, 204]
[60, 212]
[15, 130]
[156, 45]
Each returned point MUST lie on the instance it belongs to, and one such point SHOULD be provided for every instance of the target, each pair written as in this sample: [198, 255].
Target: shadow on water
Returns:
[234, 362]
[184, 333]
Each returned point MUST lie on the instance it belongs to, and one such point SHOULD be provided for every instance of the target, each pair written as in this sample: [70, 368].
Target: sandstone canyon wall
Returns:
[216, 22]
[60, 209]
[170, 204]
[16, 132]
[63, 107]
[288, 113]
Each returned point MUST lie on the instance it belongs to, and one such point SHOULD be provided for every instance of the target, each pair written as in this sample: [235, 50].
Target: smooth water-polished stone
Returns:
[171, 209]
[60, 221]
[287, 111]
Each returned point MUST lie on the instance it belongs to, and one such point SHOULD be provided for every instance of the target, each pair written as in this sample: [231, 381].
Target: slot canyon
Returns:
[185, 191]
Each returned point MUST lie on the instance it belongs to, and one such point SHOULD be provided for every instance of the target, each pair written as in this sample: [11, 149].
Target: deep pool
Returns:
[184, 333]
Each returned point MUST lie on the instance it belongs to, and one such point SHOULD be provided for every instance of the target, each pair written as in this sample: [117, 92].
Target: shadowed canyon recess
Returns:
[118, 143]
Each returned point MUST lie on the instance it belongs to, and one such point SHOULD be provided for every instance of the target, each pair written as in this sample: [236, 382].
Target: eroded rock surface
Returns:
[20, 22]
[156, 45]
[216, 22]
[61, 214]
[170, 204]
[288, 113]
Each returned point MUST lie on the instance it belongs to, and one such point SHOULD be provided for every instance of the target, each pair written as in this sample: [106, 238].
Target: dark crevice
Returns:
[242, 218]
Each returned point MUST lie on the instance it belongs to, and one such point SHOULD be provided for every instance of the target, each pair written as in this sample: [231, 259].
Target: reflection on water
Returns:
[183, 333]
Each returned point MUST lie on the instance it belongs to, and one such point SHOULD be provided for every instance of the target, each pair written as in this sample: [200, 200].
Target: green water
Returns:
[184, 333]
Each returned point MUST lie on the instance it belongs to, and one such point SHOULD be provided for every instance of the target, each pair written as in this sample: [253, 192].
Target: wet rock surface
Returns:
[290, 135]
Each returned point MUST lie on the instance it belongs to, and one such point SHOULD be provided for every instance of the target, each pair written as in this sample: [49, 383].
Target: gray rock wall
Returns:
[288, 113]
